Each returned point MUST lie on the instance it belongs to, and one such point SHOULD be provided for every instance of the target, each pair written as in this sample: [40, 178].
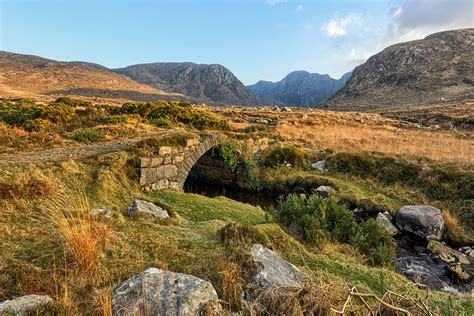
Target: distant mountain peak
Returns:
[299, 88]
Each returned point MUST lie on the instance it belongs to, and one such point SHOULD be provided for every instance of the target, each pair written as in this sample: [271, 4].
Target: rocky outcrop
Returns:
[319, 166]
[438, 68]
[458, 263]
[24, 305]
[385, 222]
[158, 292]
[273, 271]
[210, 83]
[299, 88]
[147, 209]
[423, 221]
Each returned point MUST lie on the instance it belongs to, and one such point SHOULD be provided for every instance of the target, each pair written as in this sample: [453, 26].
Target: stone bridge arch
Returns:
[172, 165]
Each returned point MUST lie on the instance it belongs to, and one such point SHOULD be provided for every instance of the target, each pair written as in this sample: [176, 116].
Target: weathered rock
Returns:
[423, 221]
[447, 254]
[458, 263]
[98, 212]
[319, 166]
[383, 221]
[468, 251]
[274, 271]
[147, 209]
[158, 292]
[24, 305]
[324, 190]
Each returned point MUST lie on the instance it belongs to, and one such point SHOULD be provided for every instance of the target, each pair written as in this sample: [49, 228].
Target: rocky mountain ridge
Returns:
[211, 83]
[437, 68]
[299, 88]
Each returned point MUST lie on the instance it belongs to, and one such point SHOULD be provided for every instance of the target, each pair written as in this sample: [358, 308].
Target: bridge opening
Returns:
[210, 176]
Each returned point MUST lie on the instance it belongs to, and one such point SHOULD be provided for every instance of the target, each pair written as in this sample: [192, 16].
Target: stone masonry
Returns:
[171, 168]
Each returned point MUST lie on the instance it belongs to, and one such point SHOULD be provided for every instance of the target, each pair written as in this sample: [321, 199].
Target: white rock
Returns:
[158, 292]
[24, 305]
[147, 209]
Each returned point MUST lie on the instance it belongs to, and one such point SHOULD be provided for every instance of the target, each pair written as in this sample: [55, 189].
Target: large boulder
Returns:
[158, 292]
[386, 224]
[273, 271]
[24, 305]
[423, 221]
[148, 210]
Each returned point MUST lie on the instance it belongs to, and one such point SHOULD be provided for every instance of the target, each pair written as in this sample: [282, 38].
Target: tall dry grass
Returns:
[83, 238]
[435, 145]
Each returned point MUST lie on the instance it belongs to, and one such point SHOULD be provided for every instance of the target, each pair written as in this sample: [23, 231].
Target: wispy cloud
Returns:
[274, 2]
[299, 8]
[340, 26]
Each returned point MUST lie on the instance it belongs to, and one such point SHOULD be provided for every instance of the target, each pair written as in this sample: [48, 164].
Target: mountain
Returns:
[33, 76]
[212, 83]
[437, 68]
[299, 88]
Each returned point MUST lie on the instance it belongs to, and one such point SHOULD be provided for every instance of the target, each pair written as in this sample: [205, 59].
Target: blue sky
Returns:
[255, 39]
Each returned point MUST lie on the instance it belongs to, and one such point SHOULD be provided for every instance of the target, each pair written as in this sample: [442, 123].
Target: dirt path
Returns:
[68, 152]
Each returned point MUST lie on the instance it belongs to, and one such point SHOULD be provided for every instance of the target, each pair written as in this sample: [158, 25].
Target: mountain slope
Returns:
[213, 83]
[439, 67]
[299, 88]
[33, 76]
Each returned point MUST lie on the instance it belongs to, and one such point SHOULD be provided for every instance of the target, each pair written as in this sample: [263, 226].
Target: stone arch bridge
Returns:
[171, 167]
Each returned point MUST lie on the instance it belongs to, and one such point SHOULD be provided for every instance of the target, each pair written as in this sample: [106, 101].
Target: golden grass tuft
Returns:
[83, 237]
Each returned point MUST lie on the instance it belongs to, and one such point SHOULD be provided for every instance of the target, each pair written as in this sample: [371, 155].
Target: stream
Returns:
[413, 259]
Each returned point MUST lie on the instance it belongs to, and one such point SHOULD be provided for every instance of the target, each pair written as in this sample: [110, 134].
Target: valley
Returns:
[174, 188]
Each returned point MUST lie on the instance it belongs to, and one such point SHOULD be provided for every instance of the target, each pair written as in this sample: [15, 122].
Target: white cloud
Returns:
[339, 26]
[299, 8]
[357, 56]
[274, 2]
[415, 19]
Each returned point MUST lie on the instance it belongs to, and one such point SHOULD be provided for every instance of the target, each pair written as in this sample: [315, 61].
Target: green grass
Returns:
[34, 259]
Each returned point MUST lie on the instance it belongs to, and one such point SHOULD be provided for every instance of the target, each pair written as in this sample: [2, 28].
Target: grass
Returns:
[439, 146]
[36, 260]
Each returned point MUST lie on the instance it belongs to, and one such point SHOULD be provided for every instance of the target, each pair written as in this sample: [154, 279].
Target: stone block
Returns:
[175, 185]
[165, 150]
[167, 160]
[166, 172]
[155, 162]
[145, 162]
[178, 159]
[160, 185]
[147, 176]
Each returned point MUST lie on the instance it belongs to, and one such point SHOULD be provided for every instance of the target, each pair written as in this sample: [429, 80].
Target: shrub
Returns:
[184, 113]
[376, 243]
[89, 135]
[318, 219]
[162, 122]
[276, 156]
[254, 128]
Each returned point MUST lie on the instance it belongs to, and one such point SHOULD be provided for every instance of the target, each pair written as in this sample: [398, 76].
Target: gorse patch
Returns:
[65, 113]
[318, 220]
